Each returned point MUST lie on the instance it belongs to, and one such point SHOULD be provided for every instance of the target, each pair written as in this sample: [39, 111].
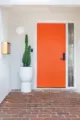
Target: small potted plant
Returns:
[26, 69]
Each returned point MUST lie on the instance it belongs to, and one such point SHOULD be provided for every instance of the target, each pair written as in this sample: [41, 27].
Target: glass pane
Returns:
[70, 54]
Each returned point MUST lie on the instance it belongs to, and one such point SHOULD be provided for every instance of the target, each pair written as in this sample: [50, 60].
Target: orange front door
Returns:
[51, 67]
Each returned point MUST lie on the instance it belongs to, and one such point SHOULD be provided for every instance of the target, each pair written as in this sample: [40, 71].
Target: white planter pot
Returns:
[26, 78]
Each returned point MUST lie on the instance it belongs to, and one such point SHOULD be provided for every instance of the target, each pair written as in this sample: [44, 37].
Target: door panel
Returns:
[51, 44]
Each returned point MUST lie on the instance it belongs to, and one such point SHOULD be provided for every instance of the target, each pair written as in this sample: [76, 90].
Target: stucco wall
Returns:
[4, 60]
[28, 19]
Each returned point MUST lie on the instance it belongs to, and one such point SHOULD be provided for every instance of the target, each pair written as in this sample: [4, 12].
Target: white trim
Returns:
[52, 21]
[74, 55]
[66, 55]
[67, 88]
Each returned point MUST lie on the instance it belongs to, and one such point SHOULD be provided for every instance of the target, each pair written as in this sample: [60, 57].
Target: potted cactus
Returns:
[26, 69]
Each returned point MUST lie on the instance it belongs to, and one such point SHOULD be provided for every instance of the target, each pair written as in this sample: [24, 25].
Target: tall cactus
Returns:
[26, 60]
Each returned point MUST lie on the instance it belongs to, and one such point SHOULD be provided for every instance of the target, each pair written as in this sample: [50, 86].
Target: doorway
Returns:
[51, 57]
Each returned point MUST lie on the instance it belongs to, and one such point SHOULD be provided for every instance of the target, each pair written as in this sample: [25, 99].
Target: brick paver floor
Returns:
[46, 105]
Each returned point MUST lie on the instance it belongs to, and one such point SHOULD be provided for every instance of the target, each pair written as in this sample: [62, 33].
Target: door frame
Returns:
[66, 23]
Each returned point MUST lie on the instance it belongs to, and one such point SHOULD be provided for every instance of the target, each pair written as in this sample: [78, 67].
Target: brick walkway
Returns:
[54, 105]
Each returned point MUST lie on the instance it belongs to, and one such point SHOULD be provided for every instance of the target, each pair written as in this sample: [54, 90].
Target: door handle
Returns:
[63, 57]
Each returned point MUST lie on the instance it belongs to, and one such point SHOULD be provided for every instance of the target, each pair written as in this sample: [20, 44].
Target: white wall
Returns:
[4, 60]
[28, 18]
[77, 55]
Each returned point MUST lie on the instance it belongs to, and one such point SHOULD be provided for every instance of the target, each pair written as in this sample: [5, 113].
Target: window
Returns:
[70, 54]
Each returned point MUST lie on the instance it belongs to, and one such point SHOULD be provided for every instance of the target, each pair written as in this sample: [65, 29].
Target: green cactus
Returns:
[26, 60]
